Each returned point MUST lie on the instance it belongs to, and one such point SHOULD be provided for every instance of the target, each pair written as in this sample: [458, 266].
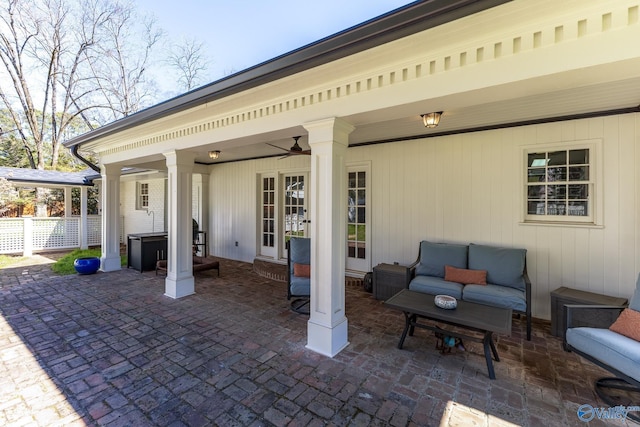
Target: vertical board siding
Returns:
[469, 188]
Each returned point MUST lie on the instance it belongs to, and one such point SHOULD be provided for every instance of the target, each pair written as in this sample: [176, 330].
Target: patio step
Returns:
[278, 272]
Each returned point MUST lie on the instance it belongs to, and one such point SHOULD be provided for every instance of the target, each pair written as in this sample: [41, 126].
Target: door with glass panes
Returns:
[294, 208]
[358, 251]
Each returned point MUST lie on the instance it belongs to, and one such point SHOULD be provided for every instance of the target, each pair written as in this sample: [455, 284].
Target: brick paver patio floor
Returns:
[110, 349]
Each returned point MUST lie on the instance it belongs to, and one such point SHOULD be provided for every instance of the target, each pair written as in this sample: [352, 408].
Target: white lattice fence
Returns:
[56, 233]
[94, 230]
[11, 235]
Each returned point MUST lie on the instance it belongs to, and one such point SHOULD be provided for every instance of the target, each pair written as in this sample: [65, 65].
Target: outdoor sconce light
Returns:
[214, 154]
[431, 120]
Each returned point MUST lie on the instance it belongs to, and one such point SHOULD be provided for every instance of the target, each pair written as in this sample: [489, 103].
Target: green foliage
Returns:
[64, 266]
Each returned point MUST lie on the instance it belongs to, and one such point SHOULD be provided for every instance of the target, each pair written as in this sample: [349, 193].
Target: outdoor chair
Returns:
[614, 347]
[299, 273]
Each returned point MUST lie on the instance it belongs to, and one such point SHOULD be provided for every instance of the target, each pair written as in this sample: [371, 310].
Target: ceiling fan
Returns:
[294, 150]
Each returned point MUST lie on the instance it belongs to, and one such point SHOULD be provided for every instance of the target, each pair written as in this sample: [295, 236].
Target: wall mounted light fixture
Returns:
[431, 120]
[214, 154]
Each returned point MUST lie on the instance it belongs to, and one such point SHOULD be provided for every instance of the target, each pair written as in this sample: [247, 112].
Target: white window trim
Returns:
[139, 205]
[595, 178]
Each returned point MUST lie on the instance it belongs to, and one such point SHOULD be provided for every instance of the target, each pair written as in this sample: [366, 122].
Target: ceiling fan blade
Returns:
[275, 146]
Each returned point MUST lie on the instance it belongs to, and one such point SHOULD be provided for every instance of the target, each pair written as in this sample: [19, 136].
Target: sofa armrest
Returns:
[598, 322]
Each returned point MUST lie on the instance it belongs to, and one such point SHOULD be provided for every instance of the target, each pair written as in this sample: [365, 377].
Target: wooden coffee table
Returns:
[468, 315]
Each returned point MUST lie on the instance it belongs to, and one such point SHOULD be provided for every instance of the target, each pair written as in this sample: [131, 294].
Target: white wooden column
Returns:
[327, 328]
[179, 281]
[110, 259]
[204, 210]
[83, 218]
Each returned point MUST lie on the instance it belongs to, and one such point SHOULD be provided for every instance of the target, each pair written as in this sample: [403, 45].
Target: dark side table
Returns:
[562, 296]
[389, 279]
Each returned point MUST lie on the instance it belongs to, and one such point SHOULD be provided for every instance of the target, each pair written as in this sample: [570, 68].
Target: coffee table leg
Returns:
[407, 324]
[488, 349]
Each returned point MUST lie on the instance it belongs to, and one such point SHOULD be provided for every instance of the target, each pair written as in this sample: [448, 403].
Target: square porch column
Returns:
[179, 282]
[84, 226]
[110, 258]
[327, 328]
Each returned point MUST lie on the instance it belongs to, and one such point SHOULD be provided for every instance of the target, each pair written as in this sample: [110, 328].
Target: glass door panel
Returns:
[294, 208]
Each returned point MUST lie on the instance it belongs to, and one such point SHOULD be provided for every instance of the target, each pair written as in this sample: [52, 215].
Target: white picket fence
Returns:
[43, 234]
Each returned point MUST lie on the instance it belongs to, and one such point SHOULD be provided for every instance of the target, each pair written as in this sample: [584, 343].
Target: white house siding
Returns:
[468, 188]
[142, 221]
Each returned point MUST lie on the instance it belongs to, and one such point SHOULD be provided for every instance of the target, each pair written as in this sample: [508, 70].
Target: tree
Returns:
[188, 61]
[70, 61]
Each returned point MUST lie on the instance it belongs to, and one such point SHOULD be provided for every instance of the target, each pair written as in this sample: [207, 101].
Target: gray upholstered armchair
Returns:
[613, 350]
[298, 273]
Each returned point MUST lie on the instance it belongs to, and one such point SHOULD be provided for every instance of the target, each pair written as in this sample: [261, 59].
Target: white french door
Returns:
[358, 219]
[268, 217]
[294, 208]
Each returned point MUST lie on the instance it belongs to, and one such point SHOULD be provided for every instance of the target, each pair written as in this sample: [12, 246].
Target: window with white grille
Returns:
[561, 183]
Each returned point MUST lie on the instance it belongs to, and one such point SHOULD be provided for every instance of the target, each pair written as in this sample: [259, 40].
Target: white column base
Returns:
[326, 340]
[178, 288]
[110, 263]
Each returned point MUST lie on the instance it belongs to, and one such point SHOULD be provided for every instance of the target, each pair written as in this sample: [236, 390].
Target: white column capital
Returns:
[179, 158]
[332, 129]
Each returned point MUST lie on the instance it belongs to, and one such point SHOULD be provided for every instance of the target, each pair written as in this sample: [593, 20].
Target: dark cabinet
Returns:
[144, 249]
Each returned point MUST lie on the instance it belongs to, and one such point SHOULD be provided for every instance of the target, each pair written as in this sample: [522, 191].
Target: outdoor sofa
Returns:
[490, 275]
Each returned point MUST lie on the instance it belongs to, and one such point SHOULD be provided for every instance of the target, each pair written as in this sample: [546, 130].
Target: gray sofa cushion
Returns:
[434, 256]
[436, 286]
[608, 347]
[505, 266]
[496, 296]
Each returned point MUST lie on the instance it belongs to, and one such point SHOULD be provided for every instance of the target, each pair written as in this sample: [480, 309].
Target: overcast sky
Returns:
[241, 33]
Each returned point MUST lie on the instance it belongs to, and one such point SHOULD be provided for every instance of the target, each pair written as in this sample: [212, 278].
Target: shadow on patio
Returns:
[110, 349]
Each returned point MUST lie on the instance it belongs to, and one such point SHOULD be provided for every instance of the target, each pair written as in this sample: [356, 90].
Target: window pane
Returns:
[352, 179]
[579, 173]
[579, 191]
[361, 180]
[361, 197]
[556, 209]
[557, 158]
[557, 174]
[557, 192]
[537, 160]
[535, 208]
[536, 175]
[361, 215]
[579, 157]
[536, 192]
[578, 208]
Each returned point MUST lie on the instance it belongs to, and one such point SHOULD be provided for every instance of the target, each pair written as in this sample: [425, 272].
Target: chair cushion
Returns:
[301, 270]
[299, 252]
[612, 349]
[434, 256]
[628, 324]
[436, 286]
[505, 266]
[464, 276]
[300, 286]
[496, 296]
